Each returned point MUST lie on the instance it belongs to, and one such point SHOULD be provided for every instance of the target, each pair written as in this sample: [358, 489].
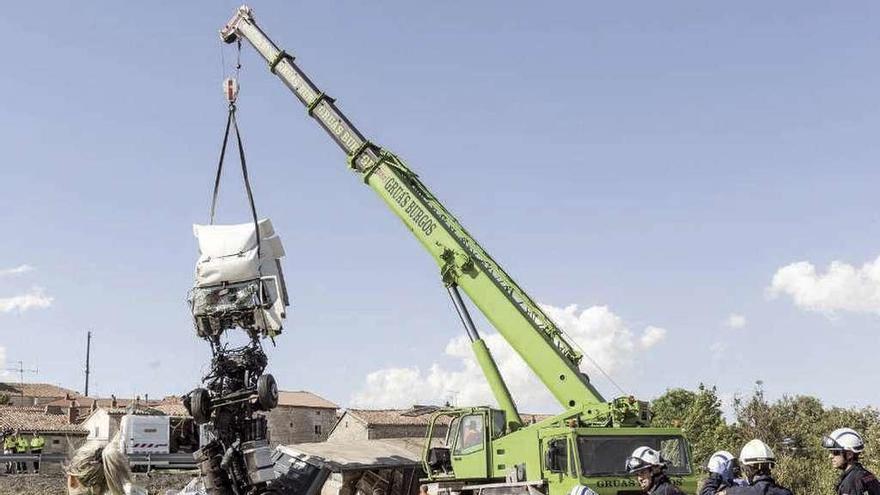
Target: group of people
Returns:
[15, 442]
[751, 473]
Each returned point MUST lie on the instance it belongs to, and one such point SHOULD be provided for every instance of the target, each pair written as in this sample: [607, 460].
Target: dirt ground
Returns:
[55, 484]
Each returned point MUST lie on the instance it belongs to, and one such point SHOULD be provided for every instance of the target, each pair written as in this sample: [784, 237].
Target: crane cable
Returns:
[230, 86]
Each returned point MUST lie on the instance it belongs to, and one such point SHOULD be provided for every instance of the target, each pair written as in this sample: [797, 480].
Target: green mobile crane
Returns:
[491, 450]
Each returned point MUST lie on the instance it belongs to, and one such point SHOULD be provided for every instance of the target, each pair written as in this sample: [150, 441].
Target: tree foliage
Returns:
[792, 426]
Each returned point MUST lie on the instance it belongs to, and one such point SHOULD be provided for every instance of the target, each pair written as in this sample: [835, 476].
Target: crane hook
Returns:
[230, 89]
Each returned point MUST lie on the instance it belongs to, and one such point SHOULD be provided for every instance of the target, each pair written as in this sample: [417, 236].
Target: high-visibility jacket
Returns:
[21, 445]
[37, 442]
[9, 442]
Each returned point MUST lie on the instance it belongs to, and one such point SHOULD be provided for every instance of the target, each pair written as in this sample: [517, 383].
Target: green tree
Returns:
[699, 415]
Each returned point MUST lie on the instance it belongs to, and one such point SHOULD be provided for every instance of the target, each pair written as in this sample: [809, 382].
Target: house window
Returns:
[317, 429]
[55, 441]
[317, 413]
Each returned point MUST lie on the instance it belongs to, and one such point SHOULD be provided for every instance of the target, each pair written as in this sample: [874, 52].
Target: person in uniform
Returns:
[650, 470]
[757, 460]
[21, 447]
[8, 449]
[37, 443]
[724, 472]
[844, 446]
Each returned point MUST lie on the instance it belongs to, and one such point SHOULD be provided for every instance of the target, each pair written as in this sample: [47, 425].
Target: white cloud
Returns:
[652, 336]
[603, 335]
[16, 270]
[843, 287]
[735, 321]
[31, 300]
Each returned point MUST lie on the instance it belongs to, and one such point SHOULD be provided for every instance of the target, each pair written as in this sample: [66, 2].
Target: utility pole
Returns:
[88, 352]
[21, 370]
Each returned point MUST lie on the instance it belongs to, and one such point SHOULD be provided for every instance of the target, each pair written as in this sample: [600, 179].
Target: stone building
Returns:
[301, 417]
[33, 394]
[375, 424]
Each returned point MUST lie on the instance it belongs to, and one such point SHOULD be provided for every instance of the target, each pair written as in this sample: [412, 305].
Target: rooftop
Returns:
[36, 390]
[397, 417]
[35, 419]
[301, 398]
[392, 417]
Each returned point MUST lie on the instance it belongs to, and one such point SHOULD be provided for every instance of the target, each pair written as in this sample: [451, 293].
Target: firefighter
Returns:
[757, 460]
[37, 443]
[723, 473]
[844, 446]
[650, 470]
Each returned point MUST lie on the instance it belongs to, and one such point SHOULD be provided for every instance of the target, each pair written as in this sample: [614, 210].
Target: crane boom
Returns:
[462, 261]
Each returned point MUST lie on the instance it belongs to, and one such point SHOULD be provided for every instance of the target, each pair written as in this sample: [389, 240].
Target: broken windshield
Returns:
[606, 455]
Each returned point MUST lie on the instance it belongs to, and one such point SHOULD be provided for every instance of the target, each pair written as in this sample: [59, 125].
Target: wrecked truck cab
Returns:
[239, 282]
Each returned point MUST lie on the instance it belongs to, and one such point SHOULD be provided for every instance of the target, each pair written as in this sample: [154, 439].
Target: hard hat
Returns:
[582, 490]
[844, 439]
[718, 461]
[756, 452]
[643, 458]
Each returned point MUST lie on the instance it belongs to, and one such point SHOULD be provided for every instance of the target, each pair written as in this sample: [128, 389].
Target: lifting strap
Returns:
[232, 123]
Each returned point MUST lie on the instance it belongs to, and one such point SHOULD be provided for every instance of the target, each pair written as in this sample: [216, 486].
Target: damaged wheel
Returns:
[267, 392]
[200, 405]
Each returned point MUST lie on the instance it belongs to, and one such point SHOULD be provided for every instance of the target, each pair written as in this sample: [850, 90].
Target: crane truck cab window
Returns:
[470, 438]
[606, 455]
[499, 423]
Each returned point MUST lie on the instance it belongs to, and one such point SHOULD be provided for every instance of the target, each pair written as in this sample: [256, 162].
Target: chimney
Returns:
[112, 401]
[72, 415]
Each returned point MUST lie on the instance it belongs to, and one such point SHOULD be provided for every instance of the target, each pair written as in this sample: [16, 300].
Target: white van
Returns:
[145, 434]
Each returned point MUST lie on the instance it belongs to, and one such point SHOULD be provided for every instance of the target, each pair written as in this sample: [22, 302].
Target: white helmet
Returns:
[718, 461]
[756, 452]
[643, 458]
[844, 439]
[582, 490]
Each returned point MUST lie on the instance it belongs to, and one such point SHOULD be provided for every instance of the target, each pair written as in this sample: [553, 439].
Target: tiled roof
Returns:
[301, 398]
[395, 417]
[140, 410]
[172, 410]
[34, 419]
[35, 390]
[392, 417]
[534, 418]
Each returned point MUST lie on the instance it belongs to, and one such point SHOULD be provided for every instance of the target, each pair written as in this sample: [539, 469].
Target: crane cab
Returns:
[479, 454]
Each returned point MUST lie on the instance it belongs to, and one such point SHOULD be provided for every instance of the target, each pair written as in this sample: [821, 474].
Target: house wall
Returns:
[101, 425]
[350, 428]
[404, 431]
[290, 424]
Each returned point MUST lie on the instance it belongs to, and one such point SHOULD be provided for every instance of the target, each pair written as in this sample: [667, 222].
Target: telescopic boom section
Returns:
[543, 346]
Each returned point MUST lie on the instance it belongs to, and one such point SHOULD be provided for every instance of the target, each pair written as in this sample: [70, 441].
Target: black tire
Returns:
[200, 405]
[267, 392]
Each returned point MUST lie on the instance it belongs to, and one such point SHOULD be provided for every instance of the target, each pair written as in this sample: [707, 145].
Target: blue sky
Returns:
[661, 161]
